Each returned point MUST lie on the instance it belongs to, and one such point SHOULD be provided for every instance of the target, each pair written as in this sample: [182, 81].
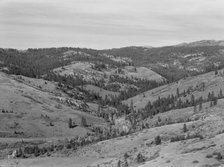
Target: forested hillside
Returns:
[116, 103]
[176, 62]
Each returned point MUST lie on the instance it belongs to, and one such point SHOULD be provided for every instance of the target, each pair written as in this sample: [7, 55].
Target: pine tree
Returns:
[184, 94]
[179, 104]
[212, 95]
[184, 128]
[195, 108]
[126, 160]
[200, 106]
[216, 71]
[132, 105]
[209, 96]
[203, 86]
[188, 91]
[211, 103]
[140, 158]
[215, 101]
[119, 163]
[178, 93]
[36, 151]
[19, 152]
[83, 122]
[125, 163]
[220, 93]
[157, 140]
[159, 119]
[192, 99]
[98, 109]
[126, 156]
[70, 124]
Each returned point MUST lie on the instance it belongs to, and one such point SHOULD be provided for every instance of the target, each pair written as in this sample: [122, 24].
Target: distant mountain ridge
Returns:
[172, 62]
[177, 61]
[203, 43]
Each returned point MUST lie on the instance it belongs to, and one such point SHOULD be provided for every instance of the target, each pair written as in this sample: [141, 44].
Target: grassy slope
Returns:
[102, 92]
[81, 68]
[142, 73]
[212, 83]
[85, 69]
[29, 102]
[181, 153]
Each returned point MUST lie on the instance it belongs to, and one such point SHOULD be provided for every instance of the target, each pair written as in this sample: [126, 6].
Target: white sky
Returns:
[108, 23]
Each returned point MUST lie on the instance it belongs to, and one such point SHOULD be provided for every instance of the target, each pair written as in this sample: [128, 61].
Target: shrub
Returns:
[157, 140]
[125, 163]
[177, 138]
[19, 152]
[195, 162]
[209, 156]
[182, 137]
[168, 161]
[140, 158]
[36, 151]
[218, 155]
[126, 155]
[68, 146]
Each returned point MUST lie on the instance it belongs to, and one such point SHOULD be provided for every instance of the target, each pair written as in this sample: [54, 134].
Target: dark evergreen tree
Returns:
[192, 100]
[70, 124]
[125, 163]
[83, 122]
[211, 103]
[132, 105]
[215, 101]
[140, 158]
[184, 128]
[203, 86]
[212, 95]
[195, 108]
[209, 96]
[119, 163]
[216, 71]
[178, 92]
[200, 105]
[157, 140]
[159, 119]
[220, 93]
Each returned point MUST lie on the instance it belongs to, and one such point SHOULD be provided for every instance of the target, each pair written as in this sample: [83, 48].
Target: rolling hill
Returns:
[35, 108]
[178, 61]
[200, 145]
[132, 106]
[212, 82]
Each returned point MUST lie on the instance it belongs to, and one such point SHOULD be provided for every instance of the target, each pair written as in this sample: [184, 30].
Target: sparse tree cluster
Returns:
[175, 102]
[7, 111]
